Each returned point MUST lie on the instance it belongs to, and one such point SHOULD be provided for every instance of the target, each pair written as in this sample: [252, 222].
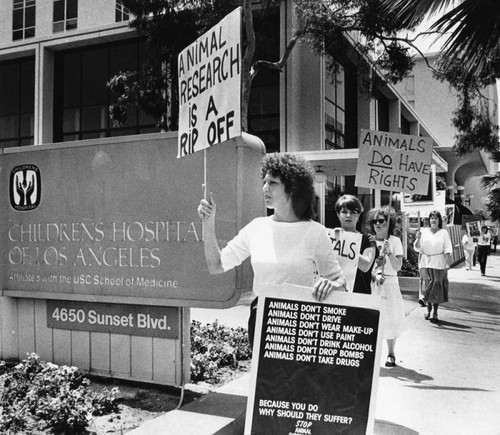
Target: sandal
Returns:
[435, 320]
[427, 315]
[391, 361]
[422, 302]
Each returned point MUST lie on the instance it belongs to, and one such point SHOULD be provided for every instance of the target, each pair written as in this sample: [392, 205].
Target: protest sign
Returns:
[347, 247]
[315, 364]
[394, 162]
[210, 87]
[414, 204]
[473, 229]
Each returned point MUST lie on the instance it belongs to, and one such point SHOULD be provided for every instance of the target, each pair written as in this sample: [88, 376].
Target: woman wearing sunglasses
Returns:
[385, 281]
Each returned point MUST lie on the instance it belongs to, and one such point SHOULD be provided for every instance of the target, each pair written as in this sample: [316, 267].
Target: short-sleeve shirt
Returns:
[484, 239]
[396, 248]
[433, 247]
[283, 253]
[468, 243]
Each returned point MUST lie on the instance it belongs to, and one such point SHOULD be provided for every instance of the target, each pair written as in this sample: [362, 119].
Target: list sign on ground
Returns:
[315, 366]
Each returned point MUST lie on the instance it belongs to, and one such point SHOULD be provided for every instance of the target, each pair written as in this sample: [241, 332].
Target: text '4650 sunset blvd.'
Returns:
[147, 321]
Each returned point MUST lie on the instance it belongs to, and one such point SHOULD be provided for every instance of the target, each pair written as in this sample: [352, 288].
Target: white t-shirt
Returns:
[283, 253]
[396, 248]
[468, 243]
[484, 239]
[433, 247]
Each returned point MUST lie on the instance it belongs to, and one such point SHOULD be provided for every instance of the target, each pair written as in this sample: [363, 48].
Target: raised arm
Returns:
[367, 257]
[207, 211]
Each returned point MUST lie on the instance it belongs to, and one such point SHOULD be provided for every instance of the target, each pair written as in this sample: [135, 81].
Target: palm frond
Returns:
[493, 204]
[495, 156]
[475, 35]
[490, 181]
[410, 14]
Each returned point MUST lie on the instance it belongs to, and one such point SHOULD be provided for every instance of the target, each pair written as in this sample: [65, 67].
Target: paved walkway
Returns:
[447, 380]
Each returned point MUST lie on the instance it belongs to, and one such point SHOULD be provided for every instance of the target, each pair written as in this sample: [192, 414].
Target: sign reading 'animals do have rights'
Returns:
[394, 162]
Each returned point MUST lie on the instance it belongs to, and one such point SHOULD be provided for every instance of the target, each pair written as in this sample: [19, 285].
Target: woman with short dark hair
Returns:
[349, 209]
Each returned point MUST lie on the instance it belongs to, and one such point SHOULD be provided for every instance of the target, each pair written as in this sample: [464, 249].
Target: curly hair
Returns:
[388, 213]
[297, 176]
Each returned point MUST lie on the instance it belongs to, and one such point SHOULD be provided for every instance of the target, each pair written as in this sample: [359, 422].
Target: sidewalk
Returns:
[446, 382]
[447, 379]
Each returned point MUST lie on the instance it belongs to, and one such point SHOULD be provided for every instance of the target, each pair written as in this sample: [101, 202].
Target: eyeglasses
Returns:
[379, 221]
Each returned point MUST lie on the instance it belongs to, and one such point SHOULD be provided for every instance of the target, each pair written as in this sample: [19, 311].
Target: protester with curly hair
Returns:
[286, 247]
[434, 245]
[385, 282]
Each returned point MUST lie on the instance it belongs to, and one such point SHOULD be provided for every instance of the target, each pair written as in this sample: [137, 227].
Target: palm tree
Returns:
[469, 59]
[473, 27]
[492, 182]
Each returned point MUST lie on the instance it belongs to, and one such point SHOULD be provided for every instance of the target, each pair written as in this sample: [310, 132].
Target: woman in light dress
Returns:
[385, 281]
[435, 248]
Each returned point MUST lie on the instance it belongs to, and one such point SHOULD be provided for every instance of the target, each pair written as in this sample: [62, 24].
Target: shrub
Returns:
[215, 346]
[39, 396]
[410, 263]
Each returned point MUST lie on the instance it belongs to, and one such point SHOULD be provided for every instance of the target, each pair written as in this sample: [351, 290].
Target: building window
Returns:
[335, 103]
[23, 19]
[264, 104]
[65, 15]
[82, 99]
[382, 111]
[121, 12]
[17, 105]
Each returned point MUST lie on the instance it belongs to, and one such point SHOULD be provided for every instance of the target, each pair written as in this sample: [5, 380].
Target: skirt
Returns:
[393, 318]
[436, 285]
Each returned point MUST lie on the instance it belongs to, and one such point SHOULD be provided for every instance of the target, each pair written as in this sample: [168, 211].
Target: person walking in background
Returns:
[469, 248]
[349, 209]
[435, 248]
[385, 282]
[494, 239]
[287, 247]
[483, 248]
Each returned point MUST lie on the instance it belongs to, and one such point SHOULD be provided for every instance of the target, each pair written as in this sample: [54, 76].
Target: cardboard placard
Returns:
[315, 364]
[347, 246]
[210, 87]
[394, 162]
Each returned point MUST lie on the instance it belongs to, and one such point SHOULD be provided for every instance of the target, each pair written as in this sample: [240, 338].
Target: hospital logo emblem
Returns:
[25, 187]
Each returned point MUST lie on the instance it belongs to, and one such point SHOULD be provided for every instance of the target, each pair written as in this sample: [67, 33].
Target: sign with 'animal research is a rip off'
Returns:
[394, 162]
[210, 87]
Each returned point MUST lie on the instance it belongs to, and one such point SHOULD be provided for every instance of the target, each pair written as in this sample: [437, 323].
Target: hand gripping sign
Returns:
[315, 364]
